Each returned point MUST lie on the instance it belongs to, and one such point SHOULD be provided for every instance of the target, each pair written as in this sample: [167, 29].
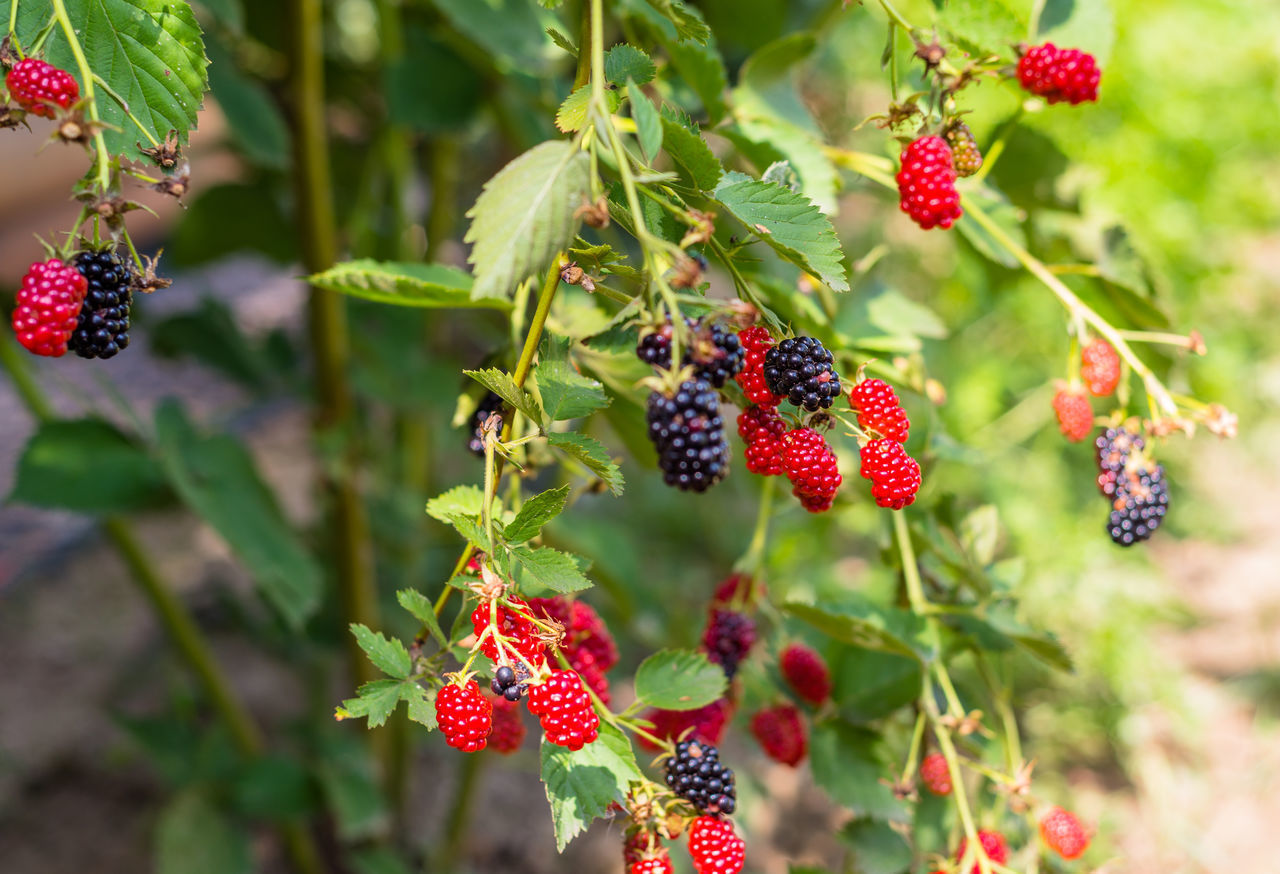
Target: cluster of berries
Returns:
[781, 730]
[1100, 371]
[1133, 484]
[83, 307]
[1061, 831]
[587, 643]
[714, 848]
[895, 475]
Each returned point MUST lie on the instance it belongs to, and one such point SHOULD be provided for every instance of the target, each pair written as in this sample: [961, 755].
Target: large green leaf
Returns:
[217, 478]
[420, 606]
[623, 62]
[679, 680]
[525, 216]
[862, 622]
[463, 500]
[504, 386]
[150, 52]
[790, 223]
[404, 284]
[193, 836]
[89, 466]
[581, 785]
[876, 847]
[848, 765]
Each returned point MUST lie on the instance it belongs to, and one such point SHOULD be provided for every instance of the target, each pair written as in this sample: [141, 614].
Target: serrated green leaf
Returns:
[194, 836]
[567, 394]
[591, 453]
[151, 54]
[422, 707]
[623, 62]
[458, 501]
[551, 568]
[88, 466]
[471, 531]
[504, 386]
[376, 700]
[877, 848]
[688, 23]
[984, 26]
[404, 284]
[525, 216]
[803, 150]
[847, 764]
[648, 122]
[562, 41]
[692, 155]
[676, 679]
[536, 512]
[862, 622]
[387, 654]
[581, 785]
[421, 608]
[790, 223]
[702, 69]
[572, 114]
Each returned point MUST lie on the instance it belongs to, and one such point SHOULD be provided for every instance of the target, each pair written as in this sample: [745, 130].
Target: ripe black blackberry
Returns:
[1139, 505]
[688, 432]
[103, 328]
[696, 774]
[490, 403]
[510, 684]
[714, 351]
[1112, 448]
[801, 370]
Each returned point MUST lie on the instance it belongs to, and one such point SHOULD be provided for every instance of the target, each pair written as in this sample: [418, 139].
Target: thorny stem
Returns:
[896, 16]
[86, 73]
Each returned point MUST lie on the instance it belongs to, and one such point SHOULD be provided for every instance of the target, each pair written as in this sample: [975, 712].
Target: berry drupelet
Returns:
[714, 352]
[879, 409]
[465, 716]
[812, 468]
[894, 475]
[1113, 447]
[687, 431]
[1139, 504]
[781, 733]
[1100, 367]
[756, 343]
[801, 370]
[103, 327]
[1063, 833]
[1075, 415]
[696, 774]
[927, 184]
[993, 844]
[508, 728]
[564, 709]
[935, 774]
[965, 153]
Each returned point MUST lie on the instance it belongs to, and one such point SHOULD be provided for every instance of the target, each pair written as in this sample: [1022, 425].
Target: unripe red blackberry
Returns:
[756, 342]
[879, 409]
[593, 676]
[1139, 504]
[728, 638]
[659, 864]
[806, 672]
[714, 351]
[587, 632]
[695, 773]
[464, 717]
[993, 844]
[935, 774]
[688, 433]
[781, 733]
[488, 405]
[802, 370]
[894, 475]
[927, 184]
[965, 153]
[812, 468]
[103, 327]
[1100, 367]
[706, 723]
[508, 728]
[1059, 75]
[762, 429]
[47, 307]
[515, 625]
[1063, 833]
[38, 87]
[715, 847]
[1075, 415]
[564, 709]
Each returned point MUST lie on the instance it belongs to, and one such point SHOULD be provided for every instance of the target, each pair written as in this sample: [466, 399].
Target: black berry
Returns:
[714, 351]
[1113, 447]
[688, 432]
[696, 775]
[103, 327]
[490, 403]
[1139, 504]
[801, 370]
[728, 639]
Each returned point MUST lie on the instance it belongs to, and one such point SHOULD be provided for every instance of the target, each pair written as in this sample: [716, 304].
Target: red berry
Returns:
[1059, 75]
[508, 727]
[879, 409]
[582, 661]
[1064, 833]
[37, 87]
[762, 429]
[514, 625]
[781, 733]
[935, 774]
[715, 847]
[588, 632]
[706, 723]
[728, 638]
[464, 716]
[635, 847]
[656, 865]
[1075, 415]
[994, 846]
[812, 467]
[564, 709]
[1100, 368]
[757, 342]
[48, 307]
[739, 590]
[927, 184]
[894, 475]
[807, 673]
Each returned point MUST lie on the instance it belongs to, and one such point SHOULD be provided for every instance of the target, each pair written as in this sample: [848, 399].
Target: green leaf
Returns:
[877, 847]
[1004, 214]
[979, 532]
[471, 531]
[984, 26]
[581, 785]
[458, 501]
[149, 51]
[504, 386]
[422, 707]
[387, 655]
[623, 62]
[511, 32]
[847, 764]
[348, 776]
[691, 155]
[572, 114]
[194, 836]
[592, 454]
[376, 700]
[525, 216]
[648, 122]
[870, 684]
[551, 568]
[421, 608]
[254, 119]
[562, 41]
[88, 466]
[688, 23]
[802, 150]
[567, 394]
[790, 223]
[863, 623]
[217, 478]
[677, 679]
[536, 512]
[404, 284]
[898, 315]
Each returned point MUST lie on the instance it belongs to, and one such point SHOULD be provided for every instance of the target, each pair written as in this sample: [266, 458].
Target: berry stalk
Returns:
[86, 74]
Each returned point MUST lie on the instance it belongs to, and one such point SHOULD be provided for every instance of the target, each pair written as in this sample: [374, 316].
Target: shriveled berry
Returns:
[927, 184]
[706, 723]
[802, 370]
[464, 716]
[1100, 367]
[508, 727]
[715, 847]
[48, 307]
[756, 343]
[38, 87]
[879, 409]
[688, 433]
[564, 709]
[696, 774]
[781, 733]
[1075, 415]
[964, 149]
[894, 475]
[935, 774]
[1064, 833]
[1059, 75]
[812, 468]
[806, 673]
[993, 844]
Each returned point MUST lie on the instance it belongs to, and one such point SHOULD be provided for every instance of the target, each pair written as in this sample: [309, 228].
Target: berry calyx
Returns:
[687, 431]
[1059, 75]
[464, 715]
[1100, 367]
[103, 328]
[781, 733]
[927, 184]
[965, 153]
[508, 728]
[879, 409]
[802, 370]
[715, 847]
[935, 774]
[39, 87]
[1063, 833]
[756, 343]
[894, 475]
[515, 627]
[806, 673]
[812, 468]
[993, 845]
[48, 307]
[564, 710]
[728, 638]
[695, 773]
[1075, 415]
